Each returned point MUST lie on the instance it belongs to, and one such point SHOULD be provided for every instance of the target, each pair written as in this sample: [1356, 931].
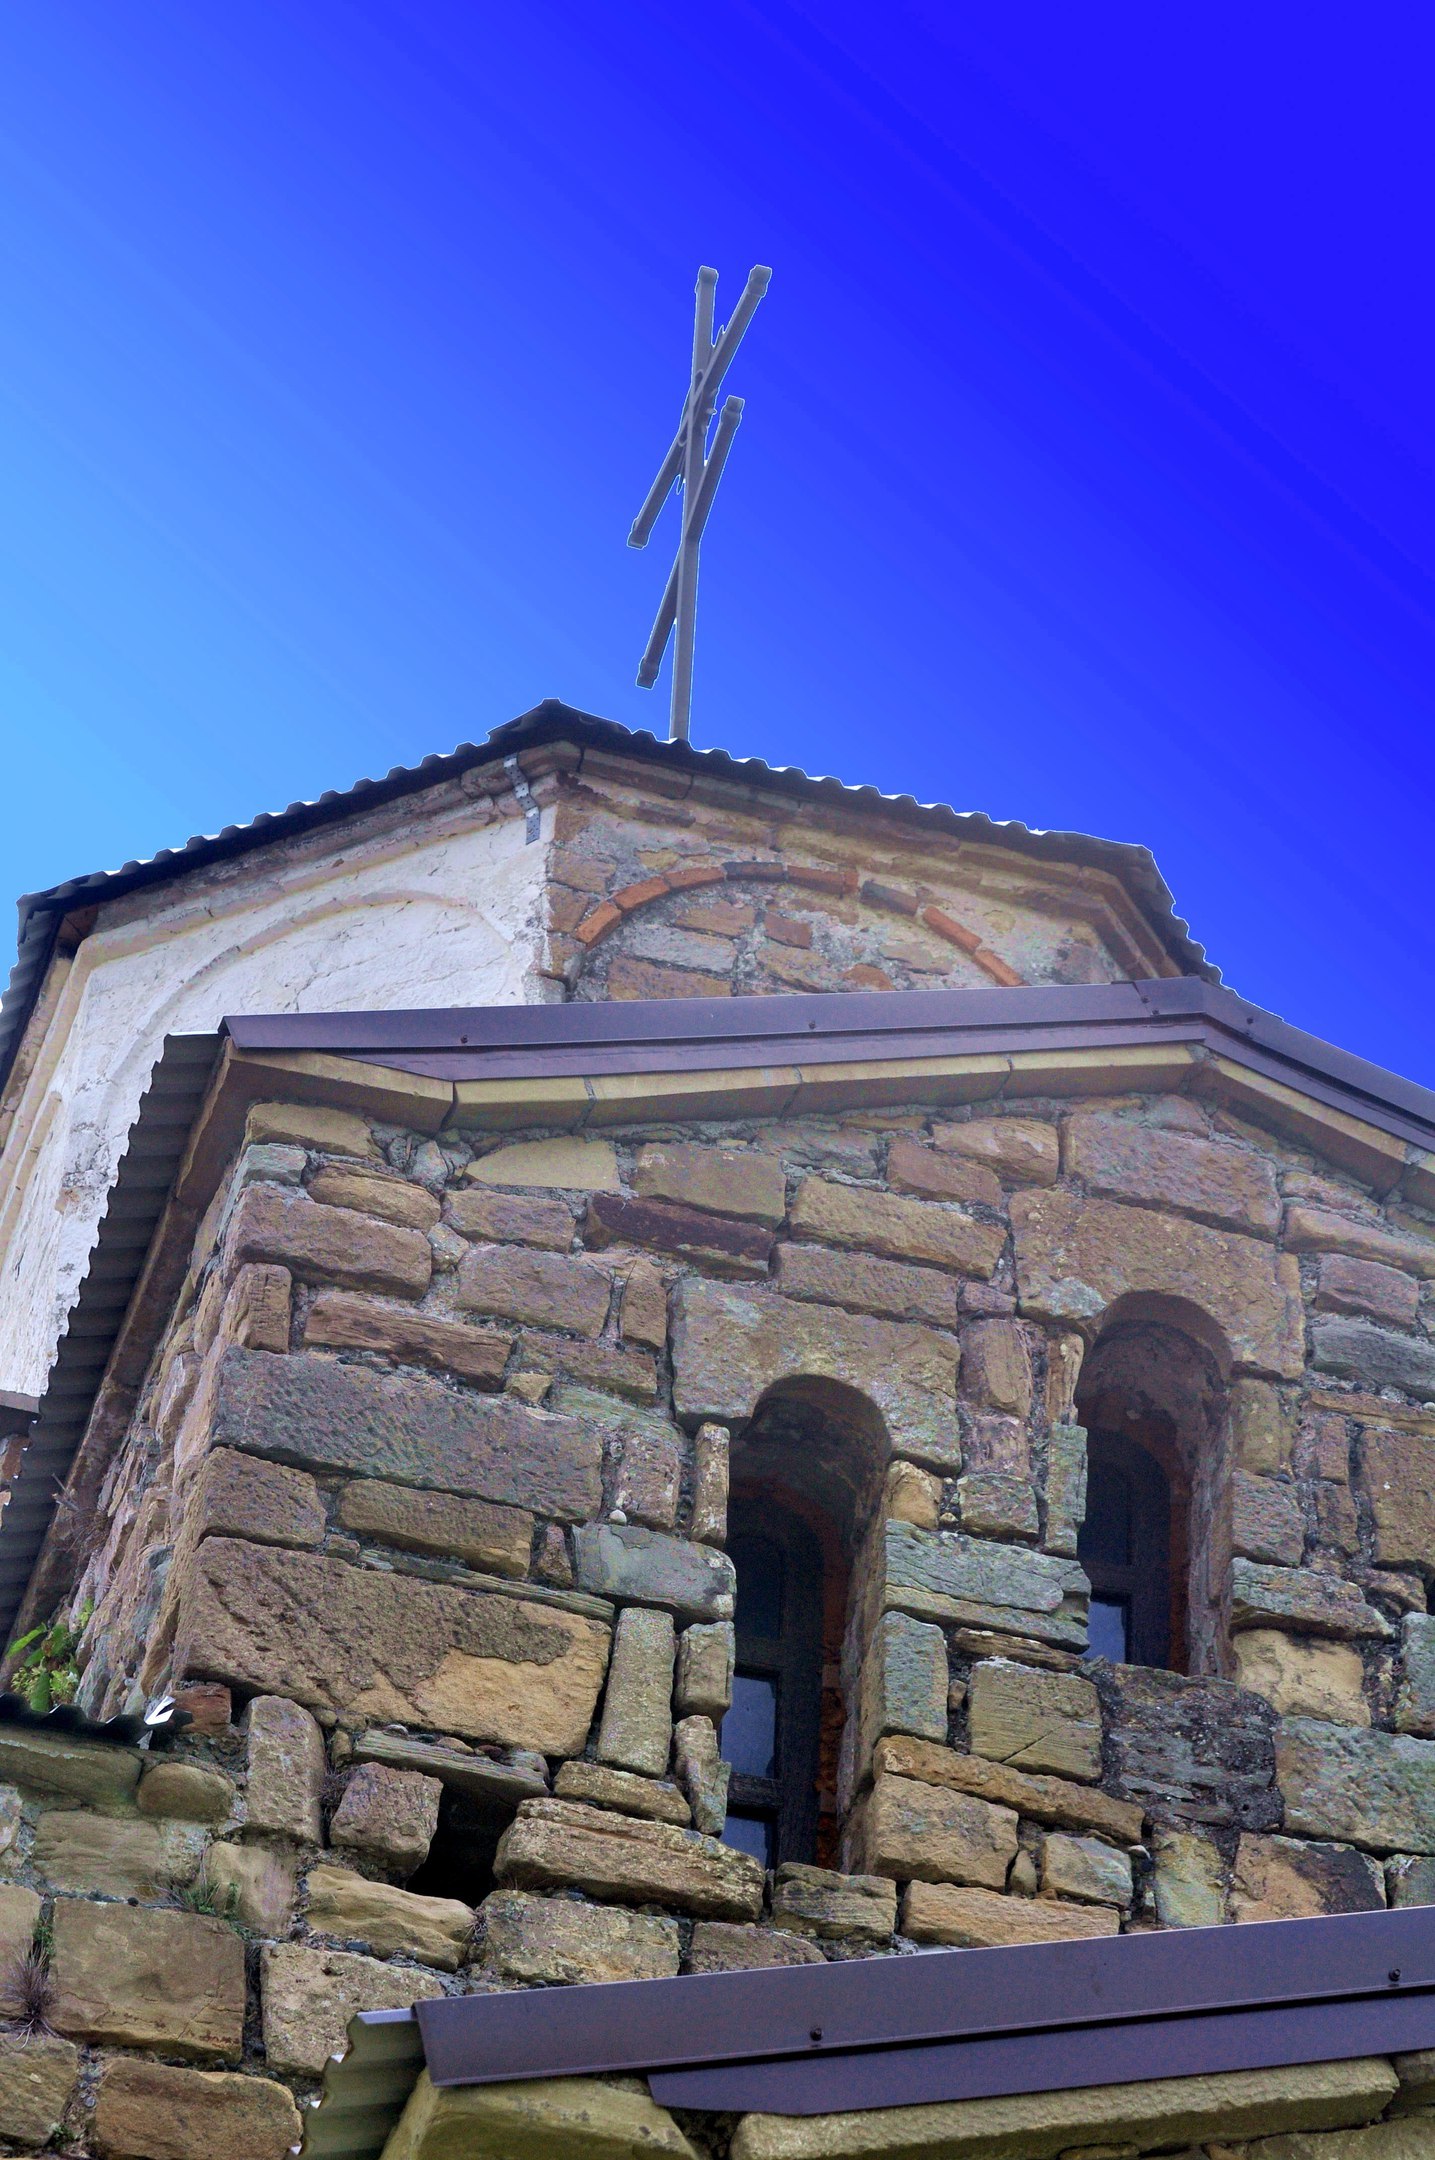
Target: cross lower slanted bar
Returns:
[696, 469]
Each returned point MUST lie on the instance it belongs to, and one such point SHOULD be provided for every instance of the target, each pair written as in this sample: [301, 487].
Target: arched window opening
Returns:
[1151, 1397]
[805, 1472]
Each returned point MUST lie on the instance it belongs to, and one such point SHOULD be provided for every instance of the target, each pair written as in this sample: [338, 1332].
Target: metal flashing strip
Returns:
[366, 2088]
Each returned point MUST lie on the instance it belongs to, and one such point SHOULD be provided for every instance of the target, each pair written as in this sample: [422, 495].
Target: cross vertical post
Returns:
[695, 470]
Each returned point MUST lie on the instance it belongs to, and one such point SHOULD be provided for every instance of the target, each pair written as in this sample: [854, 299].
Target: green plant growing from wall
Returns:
[48, 1674]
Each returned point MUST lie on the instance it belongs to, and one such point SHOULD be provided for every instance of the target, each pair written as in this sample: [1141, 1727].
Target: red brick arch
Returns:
[890, 899]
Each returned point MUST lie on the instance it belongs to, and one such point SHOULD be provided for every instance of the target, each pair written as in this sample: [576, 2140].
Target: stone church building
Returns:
[712, 1467]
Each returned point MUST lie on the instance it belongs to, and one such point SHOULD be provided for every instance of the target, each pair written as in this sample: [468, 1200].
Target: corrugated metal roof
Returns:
[366, 2089]
[42, 912]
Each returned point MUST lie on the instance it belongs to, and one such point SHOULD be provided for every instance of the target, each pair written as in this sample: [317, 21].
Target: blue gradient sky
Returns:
[1085, 476]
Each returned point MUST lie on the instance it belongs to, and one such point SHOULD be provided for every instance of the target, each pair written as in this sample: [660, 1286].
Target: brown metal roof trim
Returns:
[42, 912]
[948, 2025]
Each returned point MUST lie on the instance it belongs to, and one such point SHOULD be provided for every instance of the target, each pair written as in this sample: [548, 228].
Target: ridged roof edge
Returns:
[41, 912]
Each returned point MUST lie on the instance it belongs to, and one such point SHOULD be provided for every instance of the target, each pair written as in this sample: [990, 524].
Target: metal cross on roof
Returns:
[696, 470]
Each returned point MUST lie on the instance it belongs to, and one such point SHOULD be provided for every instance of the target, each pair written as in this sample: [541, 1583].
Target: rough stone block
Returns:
[1266, 1520]
[375, 1192]
[310, 1125]
[994, 1505]
[895, 1227]
[541, 2119]
[286, 1771]
[190, 1791]
[1315, 1229]
[1262, 1427]
[710, 1484]
[390, 1922]
[393, 1648]
[122, 1858]
[330, 1417]
[389, 1816]
[637, 1728]
[1046, 1800]
[714, 1242]
[996, 1367]
[723, 1946]
[1076, 1256]
[944, 1576]
[1190, 1880]
[251, 1306]
[1358, 1350]
[731, 1344]
[614, 1367]
[309, 1997]
[152, 2111]
[1161, 2114]
[863, 1283]
[1398, 1473]
[328, 1244]
[933, 1834]
[38, 2076]
[972, 1919]
[1410, 1879]
[252, 1885]
[482, 1535]
[341, 1320]
[19, 1912]
[164, 1980]
[1372, 1789]
[1022, 1151]
[1065, 1488]
[705, 1662]
[656, 1798]
[702, 1772]
[559, 1844]
[1366, 1288]
[563, 1163]
[551, 1942]
[83, 1770]
[645, 1566]
[1217, 1182]
[912, 1168]
[1034, 1720]
[545, 1289]
[903, 1687]
[239, 1495]
[1299, 1599]
[1415, 1702]
[1085, 1869]
[729, 1181]
[1281, 1878]
[856, 1909]
[1303, 1676]
[511, 1218]
[496, 1784]
[644, 1311]
[912, 1496]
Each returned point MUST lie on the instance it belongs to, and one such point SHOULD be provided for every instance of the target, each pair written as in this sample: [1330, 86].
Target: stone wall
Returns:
[423, 1513]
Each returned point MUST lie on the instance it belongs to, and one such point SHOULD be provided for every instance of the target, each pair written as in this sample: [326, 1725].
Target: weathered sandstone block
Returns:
[120, 1857]
[856, 1909]
[545, 2119]
[1281, 1878]
[656, 1798]
[972, 1919]
[903, 1687]
[309, 1997]
[1064, 1488]
[996, 1366]
[1303, 1676]
[1190, 1880]
[1415, 1703]
[1022, 1151]
[165, 1980]
[328, 1244]
[482, 1535]
[559, 1844]
[943, 1576]
[152, 2111]
[930, 1833]
[1372, 1789]
[83, 1770]
[705, 1662]
[551, 1942]
[286, 1770]
[327, 1416]
[253, 1885]
[310, 1125]
[189, 1791]
[1086, 1870]
[391, 1648]
[38, 2076]
[1266, 1521]
[911, 1495]
[716, 1242]
[389, 1816]
[895, 1227]
[1398, 1473]
[1076, 1256]
[729, 1181]
[711, 1475]
[863, 1283]
[511, 1218]
[340, 1320]
[1368, 1289]
[564, 1163]
[547, 1289]
[1262, 1427]
[375, 1192]
[390, 1922]
[644, 1311]
[1299, 1599]
[912, 1168]
[702, 1772]
[637, 1728]
[1046, 1800]
[1315, 1229]
[723, 1946]
[730, 1344]
[1358, 1350]
[238, 1495]
[1186, 1747]
[1034, 1720]
[1217, 1183]
[645, 1566]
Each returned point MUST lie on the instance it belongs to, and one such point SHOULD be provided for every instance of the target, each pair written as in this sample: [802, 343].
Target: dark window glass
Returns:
[760, 1570]
[750, 1834]
[749, 1731]
[1125, 1547]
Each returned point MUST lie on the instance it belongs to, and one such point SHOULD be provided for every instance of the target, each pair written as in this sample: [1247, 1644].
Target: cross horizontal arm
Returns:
[693, 525]
[723, 354]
